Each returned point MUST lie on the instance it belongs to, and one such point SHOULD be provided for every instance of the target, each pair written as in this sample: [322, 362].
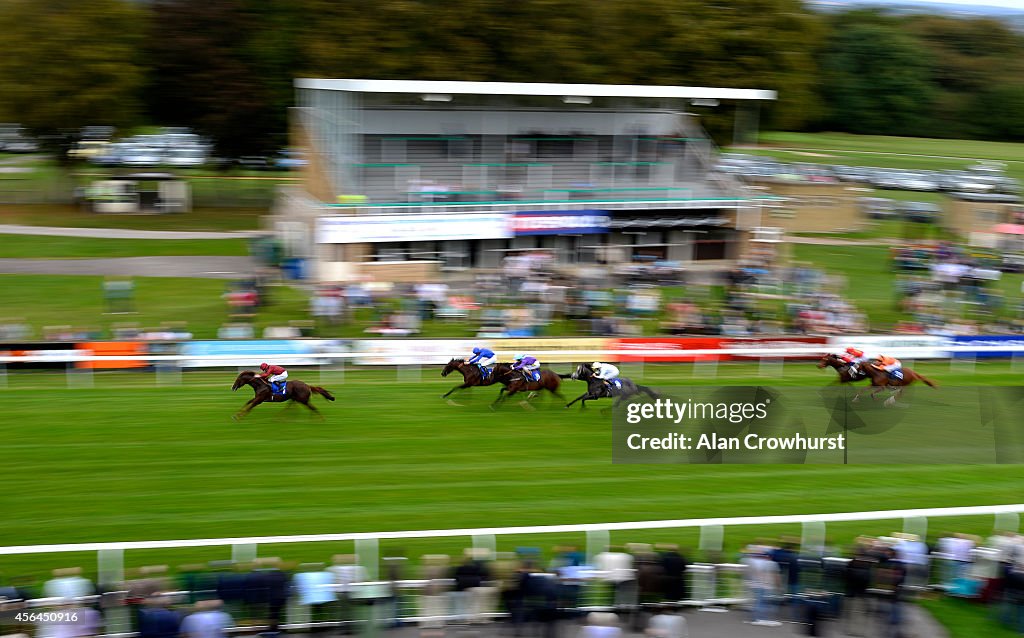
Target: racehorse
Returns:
[514, 382]
[836, 362]
[880, 379]
[297, 391]
[599, 389]
[471, 375]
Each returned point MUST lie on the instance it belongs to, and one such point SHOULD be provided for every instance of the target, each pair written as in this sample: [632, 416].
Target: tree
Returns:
[70, 63]
[205, 75]
[877, 80]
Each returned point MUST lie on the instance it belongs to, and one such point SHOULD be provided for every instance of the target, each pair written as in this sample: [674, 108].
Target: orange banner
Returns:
[112, 349]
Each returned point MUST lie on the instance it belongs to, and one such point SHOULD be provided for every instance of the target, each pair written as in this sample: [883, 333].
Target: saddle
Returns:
[278, 388]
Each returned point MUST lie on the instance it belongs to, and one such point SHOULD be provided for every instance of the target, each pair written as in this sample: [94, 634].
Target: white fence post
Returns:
[917, 525]
[1007, 522]
[368, 555]
[78, 377]
[244, 552]
[486, 542]
[711, 537]
[812, 537]
[598, 541]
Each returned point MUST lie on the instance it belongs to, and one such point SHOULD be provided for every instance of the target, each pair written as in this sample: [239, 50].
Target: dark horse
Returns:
[846, 375]
[471, 375]
[514, 382]
[599, 389]
[297, 391]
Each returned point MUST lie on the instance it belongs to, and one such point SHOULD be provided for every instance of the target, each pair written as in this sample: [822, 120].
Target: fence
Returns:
[962, 358]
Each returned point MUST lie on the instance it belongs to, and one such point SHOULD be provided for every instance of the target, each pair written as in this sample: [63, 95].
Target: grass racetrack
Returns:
[129, 459]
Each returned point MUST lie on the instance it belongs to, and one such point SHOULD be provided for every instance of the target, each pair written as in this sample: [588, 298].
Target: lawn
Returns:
[53, 247]
[205, 219]
[130, 459]
[871, 284]
[892, 152]
[77, 300]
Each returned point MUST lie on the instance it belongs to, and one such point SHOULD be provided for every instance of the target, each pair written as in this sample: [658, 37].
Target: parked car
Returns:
[290, 159]
[253, 162]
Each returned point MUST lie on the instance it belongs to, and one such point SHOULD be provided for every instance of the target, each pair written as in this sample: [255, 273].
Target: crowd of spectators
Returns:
[630, 588]
[940, 289]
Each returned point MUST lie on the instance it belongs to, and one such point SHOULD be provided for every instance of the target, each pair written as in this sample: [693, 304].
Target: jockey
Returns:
[527, 365]
[275, 375]
[483, 358]
[852, 357]
[891, 365]
[605, 372]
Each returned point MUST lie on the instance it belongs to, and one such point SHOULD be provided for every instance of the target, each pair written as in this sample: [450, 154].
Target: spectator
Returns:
[762, 577]
[207, 621]
[156, 620]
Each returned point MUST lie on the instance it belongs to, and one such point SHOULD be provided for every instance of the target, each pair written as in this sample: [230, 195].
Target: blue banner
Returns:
[249, 352]
[561, 222]
[988, 341]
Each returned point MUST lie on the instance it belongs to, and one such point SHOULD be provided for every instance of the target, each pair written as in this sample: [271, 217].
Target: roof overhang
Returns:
[534, 89]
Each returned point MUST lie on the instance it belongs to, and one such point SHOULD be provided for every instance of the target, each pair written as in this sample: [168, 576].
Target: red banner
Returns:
[775, 343]
[674, 348]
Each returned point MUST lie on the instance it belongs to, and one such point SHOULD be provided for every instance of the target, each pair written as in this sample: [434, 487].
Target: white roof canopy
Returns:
[534, 89]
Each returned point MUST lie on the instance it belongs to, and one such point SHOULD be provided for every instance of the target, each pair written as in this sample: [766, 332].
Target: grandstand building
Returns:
[406, 178]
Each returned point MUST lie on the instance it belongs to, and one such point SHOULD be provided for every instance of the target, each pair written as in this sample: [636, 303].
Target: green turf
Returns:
[966, 619]
[890, 152]
[50, 247]
[223, 219]
[77, 300]
[131, 460]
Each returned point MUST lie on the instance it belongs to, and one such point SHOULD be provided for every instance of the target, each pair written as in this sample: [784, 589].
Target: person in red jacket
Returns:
[276, 375]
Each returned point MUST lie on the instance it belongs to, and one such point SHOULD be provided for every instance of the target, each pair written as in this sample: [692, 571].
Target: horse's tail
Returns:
[925, 379]
[322, 392]
[565, 376]
[646, 390]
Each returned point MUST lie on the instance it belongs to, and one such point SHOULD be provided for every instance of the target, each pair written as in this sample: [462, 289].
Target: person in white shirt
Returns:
[605, 372]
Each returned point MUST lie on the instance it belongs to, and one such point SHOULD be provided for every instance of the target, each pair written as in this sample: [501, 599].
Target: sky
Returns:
[1008, 4]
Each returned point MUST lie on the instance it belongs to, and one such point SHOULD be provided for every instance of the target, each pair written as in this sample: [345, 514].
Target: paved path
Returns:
[123, 233]
[917, 624]
[835, 241]
[203, 267]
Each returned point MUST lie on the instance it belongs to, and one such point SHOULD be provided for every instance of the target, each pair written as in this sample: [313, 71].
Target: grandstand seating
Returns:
[495, 168]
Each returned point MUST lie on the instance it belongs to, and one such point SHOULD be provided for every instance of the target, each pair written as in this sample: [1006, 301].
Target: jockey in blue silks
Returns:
[483, 358]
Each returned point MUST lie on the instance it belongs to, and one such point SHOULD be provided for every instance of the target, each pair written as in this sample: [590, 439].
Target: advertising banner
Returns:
[250, 353]
[773, 343]
[574, 350]
[359, 229]
[560, 222]
[993, 341]
[49, 354]
[668, 348]
[924, 346]
[111, 349]
[399, 352]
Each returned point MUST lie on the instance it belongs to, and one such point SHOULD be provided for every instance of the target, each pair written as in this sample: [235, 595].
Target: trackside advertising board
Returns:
[559, 222]
[923, 346]
[360, 229]
[991, 342]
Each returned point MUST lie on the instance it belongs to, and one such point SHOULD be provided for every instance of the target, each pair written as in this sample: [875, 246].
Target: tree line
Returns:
[225, 67]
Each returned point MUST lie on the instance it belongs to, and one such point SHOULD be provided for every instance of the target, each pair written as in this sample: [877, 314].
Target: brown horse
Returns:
[472, 377]
[515, 382]
[297, 391]
[880, 379]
